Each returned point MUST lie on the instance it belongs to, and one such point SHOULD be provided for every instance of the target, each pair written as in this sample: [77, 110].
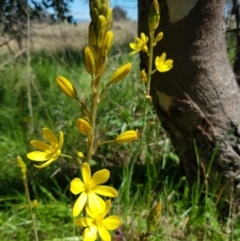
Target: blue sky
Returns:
[80, 9]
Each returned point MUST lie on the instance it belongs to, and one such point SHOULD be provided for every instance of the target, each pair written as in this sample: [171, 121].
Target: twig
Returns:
[13, 58]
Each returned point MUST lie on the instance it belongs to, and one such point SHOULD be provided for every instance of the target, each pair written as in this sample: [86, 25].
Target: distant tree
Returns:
[14, 15]
[119, 14]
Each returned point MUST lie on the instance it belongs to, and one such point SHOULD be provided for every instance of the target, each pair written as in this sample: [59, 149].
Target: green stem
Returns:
[145, 111]
[30, 209]
[92, 122]
[67, 156]
[150, 55]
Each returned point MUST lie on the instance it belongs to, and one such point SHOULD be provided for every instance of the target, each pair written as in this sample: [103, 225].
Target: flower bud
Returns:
[159, 36]
[154, 16]
[103, 67]
[104, 9]
[21, 164]
[83, 126]
[80, 154]
[144, 76]
[89, 61]
[92, 35]
[107, 43]
[97, 4]
[109, 18]
[101, 29]
[153, 217]
[94, 15]
[126, 137]
[66, 87]
[120, 73]
[100, 23]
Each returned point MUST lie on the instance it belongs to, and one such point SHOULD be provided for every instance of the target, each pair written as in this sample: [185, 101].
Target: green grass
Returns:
[188, 213]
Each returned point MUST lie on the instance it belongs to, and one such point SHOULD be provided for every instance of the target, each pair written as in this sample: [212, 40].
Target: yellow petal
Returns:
[95, 203]
[76, 186]
[104, 234]
[162, 57]
[47, 163]
[86, 172]
[112, 222]
[83, 222]
[100, 177]
[40, 145]
[49, 135]
[61, 139]
[90, 234]
[39, 156]
[79, 204]
[106, 191]
[133, 46]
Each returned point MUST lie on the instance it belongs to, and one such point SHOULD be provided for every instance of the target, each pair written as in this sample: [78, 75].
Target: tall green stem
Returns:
[145, 111]
[92, 120]
[30, 209]
[150, 55]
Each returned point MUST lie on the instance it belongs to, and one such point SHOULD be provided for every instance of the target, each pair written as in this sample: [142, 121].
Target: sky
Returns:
[80, 9]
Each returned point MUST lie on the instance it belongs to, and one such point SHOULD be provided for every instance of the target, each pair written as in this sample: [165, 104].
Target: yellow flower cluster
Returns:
[141, 44]
[90, 187]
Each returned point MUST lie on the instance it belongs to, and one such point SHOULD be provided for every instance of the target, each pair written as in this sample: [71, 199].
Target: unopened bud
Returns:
[104, 9]
[159, 37]
[109, 18]
[101, 22]
[83, 126]
[120, 73]
[80, 154]
[92, 35]
[107, 43]
[93, 50]
[126, 137]
[89, 61]
[66, 87]
[97, 4]
[154, 16]
[144, 76]
[94, 15]
[103, 67]
[101, 29]
[21, 164]
[153, 217]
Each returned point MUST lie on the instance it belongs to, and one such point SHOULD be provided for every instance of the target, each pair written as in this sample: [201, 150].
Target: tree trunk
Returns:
[198, 100]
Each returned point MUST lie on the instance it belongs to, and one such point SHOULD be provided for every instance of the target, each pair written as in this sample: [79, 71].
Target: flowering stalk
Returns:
[21, 164]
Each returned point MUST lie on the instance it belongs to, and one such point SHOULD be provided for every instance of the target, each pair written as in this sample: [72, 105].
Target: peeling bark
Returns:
[198, 101]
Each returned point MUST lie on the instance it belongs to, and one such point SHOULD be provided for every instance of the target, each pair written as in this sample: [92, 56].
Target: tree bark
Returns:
[198, 100]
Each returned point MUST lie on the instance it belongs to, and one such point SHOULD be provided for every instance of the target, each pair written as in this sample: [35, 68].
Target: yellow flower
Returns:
[162, 64]
[49, 151]
[89, 189]
[97, 223]
[140, 44]
[126, 137]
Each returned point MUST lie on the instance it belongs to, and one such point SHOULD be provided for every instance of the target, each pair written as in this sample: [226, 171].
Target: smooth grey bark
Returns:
[198, 101]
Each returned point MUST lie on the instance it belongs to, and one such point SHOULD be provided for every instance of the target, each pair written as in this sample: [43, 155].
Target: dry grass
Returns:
[57, 36]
